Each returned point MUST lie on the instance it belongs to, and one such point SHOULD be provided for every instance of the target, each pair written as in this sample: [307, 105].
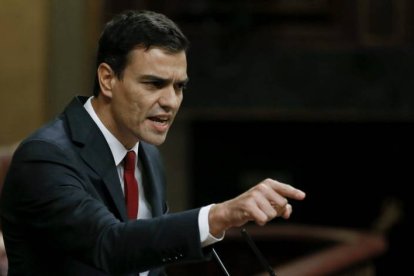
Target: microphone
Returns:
[257, 252]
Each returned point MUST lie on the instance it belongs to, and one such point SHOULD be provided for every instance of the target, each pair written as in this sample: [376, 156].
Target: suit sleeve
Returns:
[49, 196]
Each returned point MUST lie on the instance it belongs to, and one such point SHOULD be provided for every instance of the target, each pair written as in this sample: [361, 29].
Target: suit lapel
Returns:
[95, 151]
[102, 162]
[152, 179]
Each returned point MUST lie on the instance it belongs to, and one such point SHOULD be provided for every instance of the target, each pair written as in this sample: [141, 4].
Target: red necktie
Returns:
[130, 185]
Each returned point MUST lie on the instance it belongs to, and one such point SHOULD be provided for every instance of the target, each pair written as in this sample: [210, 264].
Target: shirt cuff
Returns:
[205, 237]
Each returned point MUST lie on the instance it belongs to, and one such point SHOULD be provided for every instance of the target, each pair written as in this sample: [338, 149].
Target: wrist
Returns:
[216, 220]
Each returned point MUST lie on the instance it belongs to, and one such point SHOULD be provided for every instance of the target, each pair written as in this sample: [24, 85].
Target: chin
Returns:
[156, 141]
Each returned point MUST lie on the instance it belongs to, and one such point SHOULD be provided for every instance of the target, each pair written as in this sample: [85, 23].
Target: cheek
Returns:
[127, 111]
[139, 110]
[180, 100]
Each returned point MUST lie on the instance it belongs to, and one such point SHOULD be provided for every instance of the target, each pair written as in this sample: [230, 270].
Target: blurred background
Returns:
[315, 93]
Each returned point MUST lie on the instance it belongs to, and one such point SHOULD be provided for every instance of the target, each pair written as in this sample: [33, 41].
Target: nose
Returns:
[171, 98]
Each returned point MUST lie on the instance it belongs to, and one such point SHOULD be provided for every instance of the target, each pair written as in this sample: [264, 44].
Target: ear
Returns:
[106, 79]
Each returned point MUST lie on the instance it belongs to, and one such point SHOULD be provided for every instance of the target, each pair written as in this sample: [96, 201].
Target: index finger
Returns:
[285, 190]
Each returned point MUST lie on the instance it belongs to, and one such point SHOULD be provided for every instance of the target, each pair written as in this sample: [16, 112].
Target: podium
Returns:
[293, 249]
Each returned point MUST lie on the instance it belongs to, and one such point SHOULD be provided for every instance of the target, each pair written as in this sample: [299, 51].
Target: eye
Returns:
[154, 84]
[181, 86]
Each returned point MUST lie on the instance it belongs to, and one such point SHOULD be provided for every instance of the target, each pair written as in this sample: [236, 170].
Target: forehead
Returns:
[157, 61]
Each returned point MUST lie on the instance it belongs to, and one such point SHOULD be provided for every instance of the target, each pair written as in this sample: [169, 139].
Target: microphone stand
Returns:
[216, 256]
[255, 250]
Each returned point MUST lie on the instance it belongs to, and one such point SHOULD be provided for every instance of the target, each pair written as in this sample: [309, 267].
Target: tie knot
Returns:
[129, 161]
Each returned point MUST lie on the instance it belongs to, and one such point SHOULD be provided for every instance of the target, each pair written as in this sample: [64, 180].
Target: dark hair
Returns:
[131, 29]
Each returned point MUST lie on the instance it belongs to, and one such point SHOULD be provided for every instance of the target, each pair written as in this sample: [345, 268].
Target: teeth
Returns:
[158, 120]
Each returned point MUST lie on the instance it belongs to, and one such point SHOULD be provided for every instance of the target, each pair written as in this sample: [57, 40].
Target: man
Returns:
[68, 206]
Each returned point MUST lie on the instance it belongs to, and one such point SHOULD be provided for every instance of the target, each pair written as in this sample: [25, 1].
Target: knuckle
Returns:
[249, 204]
[262, 187]
[254, 194]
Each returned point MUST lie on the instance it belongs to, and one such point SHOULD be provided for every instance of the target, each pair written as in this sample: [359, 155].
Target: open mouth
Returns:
[159, 120]
[160, 124]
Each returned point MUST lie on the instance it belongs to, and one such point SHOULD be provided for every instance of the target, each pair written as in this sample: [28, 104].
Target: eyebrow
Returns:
[159, 79]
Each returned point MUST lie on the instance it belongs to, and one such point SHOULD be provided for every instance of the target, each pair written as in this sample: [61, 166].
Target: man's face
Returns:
[145, 100]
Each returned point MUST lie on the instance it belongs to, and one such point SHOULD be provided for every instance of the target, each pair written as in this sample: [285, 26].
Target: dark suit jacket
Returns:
[63, 210]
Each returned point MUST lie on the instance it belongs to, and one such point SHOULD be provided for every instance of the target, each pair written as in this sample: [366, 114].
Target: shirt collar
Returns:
[118, 150]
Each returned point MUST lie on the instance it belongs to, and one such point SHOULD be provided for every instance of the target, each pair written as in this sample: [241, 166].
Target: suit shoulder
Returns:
[50, 138]
[55, 130]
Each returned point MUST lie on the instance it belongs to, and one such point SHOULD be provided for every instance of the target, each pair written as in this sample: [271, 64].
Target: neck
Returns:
[102, 109]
